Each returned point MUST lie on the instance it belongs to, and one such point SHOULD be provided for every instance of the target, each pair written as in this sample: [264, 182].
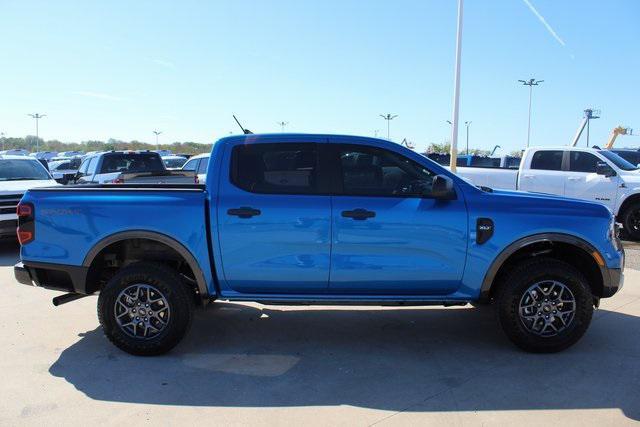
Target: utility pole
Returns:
[456, 91]
[467, 125]
[37, 117]
[157, 132]
[282, 125]
[388, 117]
[531, 83]
[2, 138]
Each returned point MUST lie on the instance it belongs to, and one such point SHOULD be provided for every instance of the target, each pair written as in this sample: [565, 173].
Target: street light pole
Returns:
[388, 117]
[282, 125]
[456, 91]
[157, 132]
[467, 125]
[531, 83]
[2, 138]
[37, 117]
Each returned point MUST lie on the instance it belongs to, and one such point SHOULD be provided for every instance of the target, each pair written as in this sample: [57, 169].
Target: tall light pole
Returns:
[467, 124]
[282, 125]
[590, 114]
[157, 132]
[37, 117]
[456, 91]
[531, 83]
[388, 117]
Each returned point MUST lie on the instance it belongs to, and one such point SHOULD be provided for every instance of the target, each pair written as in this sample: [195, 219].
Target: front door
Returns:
[273, 221]
[584, 183]
[389, 236]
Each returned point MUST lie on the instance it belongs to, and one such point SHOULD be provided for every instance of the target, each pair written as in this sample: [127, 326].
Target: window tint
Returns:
[132, 162]
[275, 168]
[547, 160]
[582, 162]
[83, 167]
[91, 168]
[368, 171]
[191, 165]
[202, 167]
[632, 157]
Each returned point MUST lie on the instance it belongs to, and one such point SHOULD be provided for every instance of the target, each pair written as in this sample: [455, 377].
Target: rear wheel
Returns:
[544, 305]
[145, 309]
[631, 221]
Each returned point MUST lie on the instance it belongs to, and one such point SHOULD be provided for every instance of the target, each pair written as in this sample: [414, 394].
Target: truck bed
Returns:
[82, 216]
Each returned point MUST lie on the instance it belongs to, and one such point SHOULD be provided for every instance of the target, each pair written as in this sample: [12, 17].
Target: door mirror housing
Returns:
[603, 168]
[442, 188]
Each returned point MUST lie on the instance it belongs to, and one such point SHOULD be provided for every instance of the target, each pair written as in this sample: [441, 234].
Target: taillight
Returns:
[196, 180]
[26, 223]
[116, 181]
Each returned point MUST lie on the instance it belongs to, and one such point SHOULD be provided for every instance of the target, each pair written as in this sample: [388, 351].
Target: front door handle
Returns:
[574, 178]
[358, 214]
[244, 212]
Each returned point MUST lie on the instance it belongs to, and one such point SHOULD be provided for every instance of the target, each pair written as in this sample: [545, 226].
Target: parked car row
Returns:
[592, 174]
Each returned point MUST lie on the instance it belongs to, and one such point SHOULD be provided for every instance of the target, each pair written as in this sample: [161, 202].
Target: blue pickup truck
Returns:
[319, 219]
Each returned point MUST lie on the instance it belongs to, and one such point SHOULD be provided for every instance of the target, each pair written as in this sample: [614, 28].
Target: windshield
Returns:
[132, 162]
[174, 163]
[618, 161]
[20, 170]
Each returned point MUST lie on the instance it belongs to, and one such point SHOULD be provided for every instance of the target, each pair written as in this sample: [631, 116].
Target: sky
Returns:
[121, 69]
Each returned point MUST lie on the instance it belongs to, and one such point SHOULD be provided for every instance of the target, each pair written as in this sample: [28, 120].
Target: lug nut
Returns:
[137, 318]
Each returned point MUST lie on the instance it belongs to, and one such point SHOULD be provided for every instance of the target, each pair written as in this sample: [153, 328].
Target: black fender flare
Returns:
[489, 277]
[157, 237]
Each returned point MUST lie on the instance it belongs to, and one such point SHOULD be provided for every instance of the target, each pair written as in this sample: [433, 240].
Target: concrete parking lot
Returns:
[253, 364]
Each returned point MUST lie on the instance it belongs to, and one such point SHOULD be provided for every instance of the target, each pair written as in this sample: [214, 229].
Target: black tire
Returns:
[512, 291]
[630, 221]
[164, 283]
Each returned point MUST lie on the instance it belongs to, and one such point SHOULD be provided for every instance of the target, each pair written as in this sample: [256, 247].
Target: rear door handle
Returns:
[527, 176]
[358, 214]
[244, 212]
[573, 178]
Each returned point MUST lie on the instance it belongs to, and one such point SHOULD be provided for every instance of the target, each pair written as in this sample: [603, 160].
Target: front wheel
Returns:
[631, 221]
[544, 305]
[145, 309]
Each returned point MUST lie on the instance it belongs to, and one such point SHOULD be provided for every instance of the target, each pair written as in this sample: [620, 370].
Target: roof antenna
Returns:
[245, 131]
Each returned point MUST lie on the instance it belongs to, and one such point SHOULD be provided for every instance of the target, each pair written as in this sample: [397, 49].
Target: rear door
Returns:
[389, 236]
[274, 218]
[544, 173]
[582, 181]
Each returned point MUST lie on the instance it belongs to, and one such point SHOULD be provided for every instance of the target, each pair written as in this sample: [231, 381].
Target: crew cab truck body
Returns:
[581, 173]
[319, 219]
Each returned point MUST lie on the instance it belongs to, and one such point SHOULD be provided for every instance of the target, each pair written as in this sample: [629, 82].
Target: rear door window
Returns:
[202, 167]
[191, 165]
[547, 160]
[275, 168]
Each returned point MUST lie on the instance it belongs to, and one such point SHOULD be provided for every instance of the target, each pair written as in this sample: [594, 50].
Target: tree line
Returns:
[32, 144]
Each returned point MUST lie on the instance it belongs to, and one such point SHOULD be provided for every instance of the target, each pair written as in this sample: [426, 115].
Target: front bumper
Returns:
[58, 277]
[614, 283]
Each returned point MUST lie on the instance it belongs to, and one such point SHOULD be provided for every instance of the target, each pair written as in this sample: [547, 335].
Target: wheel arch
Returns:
[628, 201]
[172, 243]
[540, 244]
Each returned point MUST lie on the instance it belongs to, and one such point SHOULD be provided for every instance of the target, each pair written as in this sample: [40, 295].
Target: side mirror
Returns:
[603, 168]
[442, 188]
